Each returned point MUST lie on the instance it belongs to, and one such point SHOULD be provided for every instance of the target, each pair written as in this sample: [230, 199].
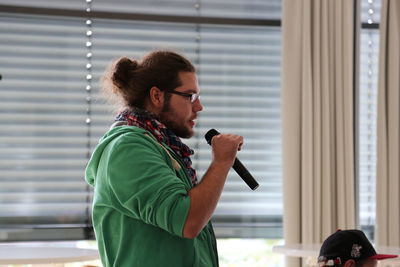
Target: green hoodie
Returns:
[141, 202]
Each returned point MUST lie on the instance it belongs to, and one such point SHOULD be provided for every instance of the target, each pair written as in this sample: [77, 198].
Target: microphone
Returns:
[237, 165]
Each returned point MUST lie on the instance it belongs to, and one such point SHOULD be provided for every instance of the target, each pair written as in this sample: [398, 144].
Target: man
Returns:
[349, 248]
[148, 208]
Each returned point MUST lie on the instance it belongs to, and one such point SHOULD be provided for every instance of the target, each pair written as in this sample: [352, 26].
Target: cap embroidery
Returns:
[324, 262]
[355, 251]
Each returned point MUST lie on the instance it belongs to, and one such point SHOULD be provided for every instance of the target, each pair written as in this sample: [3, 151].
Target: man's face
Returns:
[178, 114]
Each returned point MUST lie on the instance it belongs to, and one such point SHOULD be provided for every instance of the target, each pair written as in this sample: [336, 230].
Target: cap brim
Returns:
[382, 256]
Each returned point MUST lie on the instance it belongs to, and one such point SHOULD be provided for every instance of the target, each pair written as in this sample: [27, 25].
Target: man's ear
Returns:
[349, 263]
[156, 97]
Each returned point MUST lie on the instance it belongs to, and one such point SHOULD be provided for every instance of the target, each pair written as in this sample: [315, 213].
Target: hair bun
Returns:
[124, 71]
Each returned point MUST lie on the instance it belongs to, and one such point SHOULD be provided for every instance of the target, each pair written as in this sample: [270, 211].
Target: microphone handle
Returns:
[245, 174]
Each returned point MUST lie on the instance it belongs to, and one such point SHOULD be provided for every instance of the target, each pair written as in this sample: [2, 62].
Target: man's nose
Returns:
[197, 106]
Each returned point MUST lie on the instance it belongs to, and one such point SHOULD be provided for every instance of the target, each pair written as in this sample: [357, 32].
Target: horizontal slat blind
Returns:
[367, 116]
[367, 126]
[208, 8]
[255, 9]
[240, 80]
[370, 11]
[59, 4]
[42, 130]
[43, 106]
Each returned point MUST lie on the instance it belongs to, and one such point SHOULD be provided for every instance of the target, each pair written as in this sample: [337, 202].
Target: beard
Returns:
[168, 116]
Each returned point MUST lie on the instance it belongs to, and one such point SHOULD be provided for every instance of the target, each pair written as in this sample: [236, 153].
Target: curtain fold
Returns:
[388, 143]
[318, 131]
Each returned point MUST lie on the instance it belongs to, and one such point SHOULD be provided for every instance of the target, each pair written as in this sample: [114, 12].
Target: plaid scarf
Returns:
[146, 120]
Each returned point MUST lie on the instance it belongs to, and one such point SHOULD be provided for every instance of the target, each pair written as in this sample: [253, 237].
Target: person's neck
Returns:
[152, 109]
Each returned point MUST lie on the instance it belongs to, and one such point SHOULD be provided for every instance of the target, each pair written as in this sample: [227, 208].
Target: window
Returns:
[42, 132]
[369, 49]
[49, 122]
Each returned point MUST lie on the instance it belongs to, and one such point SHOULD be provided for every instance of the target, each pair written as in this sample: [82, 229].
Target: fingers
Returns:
[225, 146]
[229, 139]
[240, 146]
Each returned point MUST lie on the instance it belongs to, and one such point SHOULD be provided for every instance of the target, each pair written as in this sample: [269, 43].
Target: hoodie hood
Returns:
[93, 164]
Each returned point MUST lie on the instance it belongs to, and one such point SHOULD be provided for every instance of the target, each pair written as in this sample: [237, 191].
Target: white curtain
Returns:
[388, 150]
[318, 131]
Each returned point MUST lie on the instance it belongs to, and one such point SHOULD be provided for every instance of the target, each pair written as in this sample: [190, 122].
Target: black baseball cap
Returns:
[345, 245]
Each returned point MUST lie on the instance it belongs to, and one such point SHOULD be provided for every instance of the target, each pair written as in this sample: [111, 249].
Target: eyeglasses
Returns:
[192, 97]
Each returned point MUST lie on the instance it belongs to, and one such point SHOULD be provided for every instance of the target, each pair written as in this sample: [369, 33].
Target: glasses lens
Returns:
[194, 97]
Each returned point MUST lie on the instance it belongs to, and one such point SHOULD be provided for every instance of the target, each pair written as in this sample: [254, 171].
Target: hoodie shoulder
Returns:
[114, 135]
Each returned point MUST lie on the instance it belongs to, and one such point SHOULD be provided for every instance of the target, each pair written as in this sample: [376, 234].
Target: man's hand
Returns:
[225, 147]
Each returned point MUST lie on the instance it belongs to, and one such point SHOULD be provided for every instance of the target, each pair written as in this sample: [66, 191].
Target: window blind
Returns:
[43, 109]
[240, 80]
[367, 125]
[42, 133]
[367, 114]
[254, 9]
[257, 9]
[370, 11]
